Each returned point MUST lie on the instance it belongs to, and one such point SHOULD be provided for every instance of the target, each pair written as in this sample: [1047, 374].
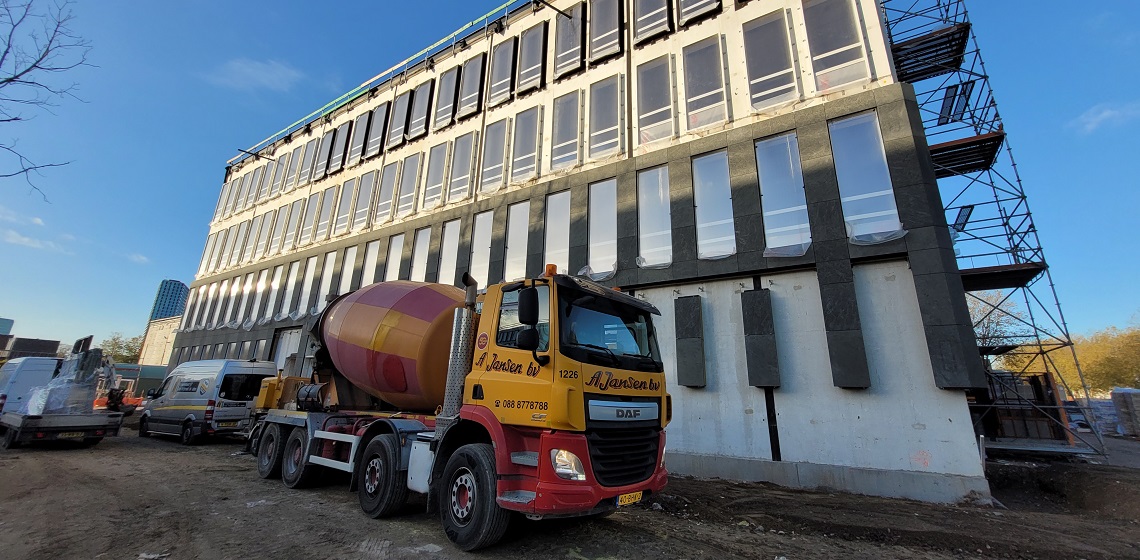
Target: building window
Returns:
[409, 180]
[502, 72]
[518, 232]
[768, 50]
[359, 136]
[278, 231]
[524, 155]
[690, 10]
[326, 281]
[219, 210]
[274, 291]
[223, 298]
[782, 196]
[481, 247]
[222, 249]
[569, 36]
[210, 240]
[247, 253]
[344, 207]
[340, 142]
[605, 29]
[255, 187]
[705, 102]
[305, 302]
[363, 201]
[307, 162]
[654, 101]
[383, 211]
[864, 180]
[328, 203]
[263, 234]
[346, 271]
[395, 253]
[236, 250]
[376, 130]
[603, 228]
[279, 175]
[650, 19]
[445, 99]
[258, 294]
[420, 245]
[448, 252]
[399, 124]
[833, 35]
[712, 195]
[532, 58]
[434, 177]
[654, 222]
[368, 268]
[421, 107]
[294, 168]
[309, 220]
[290, 287]
[471, 87]
[321, 165]
[605, 117]
[462, 163]
[564, 151]
[494, 156]
[290, 239]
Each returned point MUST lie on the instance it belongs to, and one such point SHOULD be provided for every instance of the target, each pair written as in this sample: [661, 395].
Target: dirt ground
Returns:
[135, 498]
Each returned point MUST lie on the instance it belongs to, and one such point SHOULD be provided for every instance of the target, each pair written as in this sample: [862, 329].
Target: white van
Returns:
[205, 398]
[19, 376]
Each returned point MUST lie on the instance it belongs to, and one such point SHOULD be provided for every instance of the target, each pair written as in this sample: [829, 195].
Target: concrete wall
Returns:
[159, 341]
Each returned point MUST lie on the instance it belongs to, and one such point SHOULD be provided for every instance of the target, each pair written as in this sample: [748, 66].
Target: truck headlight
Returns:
[567, 465]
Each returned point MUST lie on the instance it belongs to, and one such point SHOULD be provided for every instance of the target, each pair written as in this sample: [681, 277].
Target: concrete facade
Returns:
[841, 368]
[158, 342]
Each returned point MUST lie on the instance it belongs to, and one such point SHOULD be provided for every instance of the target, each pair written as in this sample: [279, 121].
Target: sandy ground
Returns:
[136, 498]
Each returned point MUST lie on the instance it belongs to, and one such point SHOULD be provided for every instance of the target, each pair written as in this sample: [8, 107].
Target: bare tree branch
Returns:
[38, 45]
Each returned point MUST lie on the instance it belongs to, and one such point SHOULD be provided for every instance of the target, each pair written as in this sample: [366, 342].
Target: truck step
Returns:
[517, 497]
[525, 458]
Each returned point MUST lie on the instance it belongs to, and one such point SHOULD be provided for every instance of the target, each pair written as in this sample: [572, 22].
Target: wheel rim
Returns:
[186, 433]
[292, 456]
[269, 447]
[372, 475]
[463, 493]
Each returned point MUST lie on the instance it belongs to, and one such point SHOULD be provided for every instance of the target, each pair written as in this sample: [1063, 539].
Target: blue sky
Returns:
[176, 88]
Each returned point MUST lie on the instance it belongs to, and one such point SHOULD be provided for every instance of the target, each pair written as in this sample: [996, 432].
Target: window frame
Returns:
[720, 190]
[420, 110]
[557, 140]
[481, 239]
[344, 208]
[421, 245]
[555, 234]
[515, 240]
[408, 208]
[608, 49]
[340, 143]
[602, 198]
[377, 219]
[862, 60]
[360, 129]
[429, 201]
[697, 10]
[324, 154]
[501, 89]
[645, 217]
[692, 49]
[401, 111]
[472, 152]
[844, 159]
[392, 266]
[670, 108]
[471, 75]
[325, 215]
[759, 59]
[773, 188]
[594, 150]
[527, 50]
[661, 25]
[449, 251]
[484, 185]
[377, 131]
[444, 113]
[535, 147]
[359, 223]
[568, 61]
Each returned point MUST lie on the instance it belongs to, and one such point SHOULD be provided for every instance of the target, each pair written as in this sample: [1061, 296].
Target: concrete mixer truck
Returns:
[544, 397]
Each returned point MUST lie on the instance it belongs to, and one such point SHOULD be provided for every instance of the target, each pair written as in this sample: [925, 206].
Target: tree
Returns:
[37, 46]
[63, 351]
[121, 349]
[997, 320]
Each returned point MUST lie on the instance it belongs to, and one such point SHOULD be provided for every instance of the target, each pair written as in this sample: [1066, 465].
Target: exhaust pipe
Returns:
[459, 364]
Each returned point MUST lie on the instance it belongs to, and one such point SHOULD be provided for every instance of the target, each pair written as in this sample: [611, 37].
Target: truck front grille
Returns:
[621, 456]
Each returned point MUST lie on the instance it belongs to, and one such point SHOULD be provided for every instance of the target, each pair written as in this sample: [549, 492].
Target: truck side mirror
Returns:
[528, 339]
[528, 306]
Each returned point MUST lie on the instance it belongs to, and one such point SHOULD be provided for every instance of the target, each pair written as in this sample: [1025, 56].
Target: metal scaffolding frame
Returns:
[1004, 270]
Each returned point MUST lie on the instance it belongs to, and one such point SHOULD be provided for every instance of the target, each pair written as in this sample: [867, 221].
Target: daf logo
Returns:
[628, 413]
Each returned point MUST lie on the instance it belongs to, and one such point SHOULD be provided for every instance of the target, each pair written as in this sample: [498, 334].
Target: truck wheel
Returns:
[144, 430]
[470, 516]
[382, 486]
[296, 472]
[187, 434]
[270, 450]
[9, 439]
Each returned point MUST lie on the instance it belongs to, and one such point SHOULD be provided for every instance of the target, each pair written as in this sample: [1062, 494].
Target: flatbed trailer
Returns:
[88, 429]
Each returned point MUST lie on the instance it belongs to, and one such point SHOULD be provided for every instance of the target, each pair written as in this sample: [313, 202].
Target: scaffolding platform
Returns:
[966, 155]
[1006, 276]
[996, 349]
[1040, 446]
[933, 54]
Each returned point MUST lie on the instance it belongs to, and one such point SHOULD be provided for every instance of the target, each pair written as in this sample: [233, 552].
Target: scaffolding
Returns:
[1021, 329]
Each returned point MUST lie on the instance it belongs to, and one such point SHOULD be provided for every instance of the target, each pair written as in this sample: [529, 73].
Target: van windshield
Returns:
[240, 387]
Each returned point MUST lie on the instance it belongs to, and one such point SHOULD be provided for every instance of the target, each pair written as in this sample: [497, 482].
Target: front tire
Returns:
[296, 472]
[270, 450]
[381, 486]
[470, 515]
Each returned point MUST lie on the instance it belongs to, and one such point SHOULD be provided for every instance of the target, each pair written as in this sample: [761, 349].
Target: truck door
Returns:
[160, 414]
[517, 388]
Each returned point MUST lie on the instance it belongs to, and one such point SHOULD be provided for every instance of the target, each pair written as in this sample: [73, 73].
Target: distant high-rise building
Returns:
[170, 300]
[6, 325]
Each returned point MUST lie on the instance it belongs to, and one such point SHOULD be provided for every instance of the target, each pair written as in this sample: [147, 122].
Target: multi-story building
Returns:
[170, 300]
[756, 170]
[158, 341]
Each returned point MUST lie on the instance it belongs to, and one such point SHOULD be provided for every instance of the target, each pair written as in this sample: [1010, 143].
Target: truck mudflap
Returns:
[549, 495]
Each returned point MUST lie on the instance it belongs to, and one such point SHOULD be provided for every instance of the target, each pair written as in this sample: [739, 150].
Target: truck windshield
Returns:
[603, 332]
[240, 387]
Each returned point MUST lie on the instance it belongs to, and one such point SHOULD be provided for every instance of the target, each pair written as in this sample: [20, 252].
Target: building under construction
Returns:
[810, 191]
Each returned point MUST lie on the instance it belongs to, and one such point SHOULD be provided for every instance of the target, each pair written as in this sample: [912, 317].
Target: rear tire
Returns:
[187, 435]
[381, 486]
[144, 430]
[9, 439]
[471, 517]
[270, 450]
[296, 472]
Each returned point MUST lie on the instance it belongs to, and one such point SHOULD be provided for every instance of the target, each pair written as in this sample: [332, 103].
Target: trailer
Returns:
[88, 429]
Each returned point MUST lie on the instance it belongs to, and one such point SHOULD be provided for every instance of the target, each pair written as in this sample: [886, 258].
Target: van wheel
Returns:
[144, 430]
[9, 439]
[470, 516]
[381, 485]
[295, 471]
[187, 435]
[270, 450]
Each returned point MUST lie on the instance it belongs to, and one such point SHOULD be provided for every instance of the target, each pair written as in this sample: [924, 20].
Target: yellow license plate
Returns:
[70, 435]
[227, 424]
[627, 499]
